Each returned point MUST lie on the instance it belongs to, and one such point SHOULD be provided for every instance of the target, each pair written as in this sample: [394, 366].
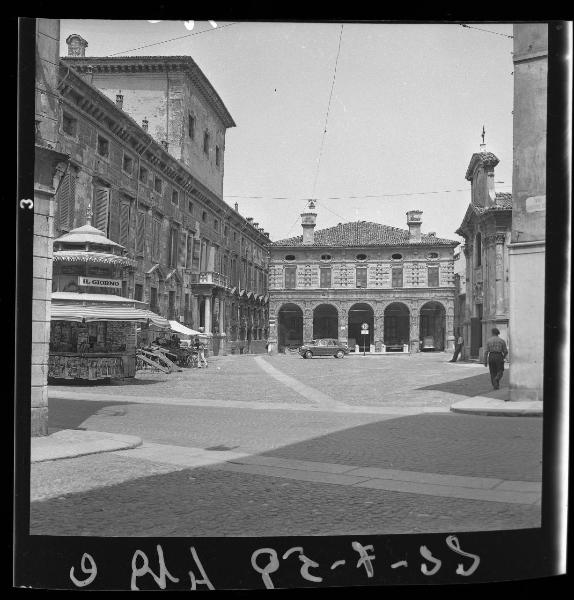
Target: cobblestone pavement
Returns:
[202, 502]
[418, 380]
[115, 494]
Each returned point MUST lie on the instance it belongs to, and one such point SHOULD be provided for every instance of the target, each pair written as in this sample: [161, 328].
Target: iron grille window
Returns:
[433, 276]
[397, 280]
[290, 278]
[325, 280]
[361, 277]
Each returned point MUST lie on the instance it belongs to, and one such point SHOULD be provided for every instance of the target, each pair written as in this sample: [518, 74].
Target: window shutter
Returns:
[101, 209]
[124, 224]
[140, 233]
[66, 201]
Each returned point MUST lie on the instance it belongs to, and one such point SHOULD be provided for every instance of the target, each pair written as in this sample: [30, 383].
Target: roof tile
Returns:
[363, 233]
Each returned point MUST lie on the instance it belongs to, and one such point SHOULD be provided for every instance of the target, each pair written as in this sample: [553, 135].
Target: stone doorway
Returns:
[358, 314]
[325, 322]
[289, 327]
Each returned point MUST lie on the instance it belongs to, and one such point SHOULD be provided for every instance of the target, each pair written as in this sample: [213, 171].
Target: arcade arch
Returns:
[289, 326]
[432, 322]
[397, 326]
[325, 322]
[358, 314]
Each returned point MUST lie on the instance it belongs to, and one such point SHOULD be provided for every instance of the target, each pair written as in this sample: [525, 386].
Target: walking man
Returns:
[458, 348]
[496, 352]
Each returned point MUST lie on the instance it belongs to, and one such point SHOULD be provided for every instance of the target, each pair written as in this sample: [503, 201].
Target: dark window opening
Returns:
[206, 143]
[158, 185]
[397, 256]
[217, 156]
[103, 147]
[191, 127]
[69, 125]
[397, 280]
[128, 164]
[175, 197]
[361, 277]
[143, 174]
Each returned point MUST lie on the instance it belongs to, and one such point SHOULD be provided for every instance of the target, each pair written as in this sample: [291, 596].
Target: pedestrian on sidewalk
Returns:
[458, 348]
[496, 352]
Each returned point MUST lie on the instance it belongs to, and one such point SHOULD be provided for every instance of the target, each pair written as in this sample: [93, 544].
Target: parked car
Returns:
[324, 347]
[428, 343]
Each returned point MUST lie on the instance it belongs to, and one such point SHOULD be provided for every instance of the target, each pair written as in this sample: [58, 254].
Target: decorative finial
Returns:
[89, 215]
[311, 204]
[483, 145]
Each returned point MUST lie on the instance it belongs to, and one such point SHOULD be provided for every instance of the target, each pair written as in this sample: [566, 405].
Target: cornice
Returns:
[155, 64]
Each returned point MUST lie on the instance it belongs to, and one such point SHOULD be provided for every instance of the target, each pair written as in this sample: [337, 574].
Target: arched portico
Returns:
[325, 322]
[289, 326]
[359, 314]
[432, 323]
[397, 326]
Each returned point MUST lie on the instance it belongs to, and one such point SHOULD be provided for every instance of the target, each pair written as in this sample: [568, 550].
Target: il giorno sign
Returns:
[98, 282]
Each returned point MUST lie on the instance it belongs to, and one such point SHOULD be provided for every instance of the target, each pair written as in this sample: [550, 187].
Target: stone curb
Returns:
[70, 443]
[493, 407]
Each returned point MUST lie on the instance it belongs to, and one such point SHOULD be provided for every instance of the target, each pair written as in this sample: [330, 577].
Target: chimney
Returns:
[266, 234]
[250, 220]
[432, 233]
[236, 207]
[165, 145]
[308, 222]
[145, 124]
[256, 225]
[414, 222]
[76, 45]
[120, 100]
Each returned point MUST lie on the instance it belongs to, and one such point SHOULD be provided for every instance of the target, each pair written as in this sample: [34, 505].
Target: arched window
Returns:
[478, 250]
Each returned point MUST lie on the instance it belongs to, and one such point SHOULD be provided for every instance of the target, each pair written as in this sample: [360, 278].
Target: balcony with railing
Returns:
[210, 278]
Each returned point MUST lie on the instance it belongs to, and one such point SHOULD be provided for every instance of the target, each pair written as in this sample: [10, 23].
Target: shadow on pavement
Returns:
[477, 385]
[70, 414]
[197, 501]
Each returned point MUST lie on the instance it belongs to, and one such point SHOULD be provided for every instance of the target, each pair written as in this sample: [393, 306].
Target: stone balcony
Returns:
[210, 278]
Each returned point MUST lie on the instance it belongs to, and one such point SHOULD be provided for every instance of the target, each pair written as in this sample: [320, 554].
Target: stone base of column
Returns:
[415, 346]
[39, 422]
[525, 394]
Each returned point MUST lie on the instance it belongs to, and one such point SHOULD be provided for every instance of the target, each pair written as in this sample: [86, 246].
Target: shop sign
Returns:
[99, 282]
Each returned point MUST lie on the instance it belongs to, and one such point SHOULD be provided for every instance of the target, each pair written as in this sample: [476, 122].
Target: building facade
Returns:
[486, 230]
[527, 249]
[49, 165]
[154, 185]
[331, 282]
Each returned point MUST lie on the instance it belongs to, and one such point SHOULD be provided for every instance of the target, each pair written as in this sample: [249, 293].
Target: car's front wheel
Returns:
[339, 354]
[308, 354]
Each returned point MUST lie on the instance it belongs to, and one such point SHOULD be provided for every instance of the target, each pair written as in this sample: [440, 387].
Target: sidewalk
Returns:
[69, 443]
[498, 404]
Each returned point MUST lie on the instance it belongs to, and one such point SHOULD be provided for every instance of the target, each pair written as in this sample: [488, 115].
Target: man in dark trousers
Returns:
[458, 348]
[494, 355]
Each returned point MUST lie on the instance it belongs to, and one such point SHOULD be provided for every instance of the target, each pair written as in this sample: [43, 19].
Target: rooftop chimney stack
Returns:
[414, 222]
[120, 100]
[236, 207]
[145, 124]
[76, 45]
[165, 145]
[308, 222]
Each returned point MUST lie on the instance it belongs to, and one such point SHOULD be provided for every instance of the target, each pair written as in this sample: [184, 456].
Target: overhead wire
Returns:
[328, 111]
[487, 31]
[400, 194]
[173, 39]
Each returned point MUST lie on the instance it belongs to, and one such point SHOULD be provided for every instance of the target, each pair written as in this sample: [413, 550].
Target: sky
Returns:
[407, 109]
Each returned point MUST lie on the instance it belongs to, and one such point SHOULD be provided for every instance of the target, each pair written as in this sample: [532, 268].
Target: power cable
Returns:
[173, 39]
[352, 197]
[328, 111]
[487, 31]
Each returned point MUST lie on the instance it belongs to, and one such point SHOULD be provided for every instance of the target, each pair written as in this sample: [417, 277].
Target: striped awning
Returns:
[86, 314]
